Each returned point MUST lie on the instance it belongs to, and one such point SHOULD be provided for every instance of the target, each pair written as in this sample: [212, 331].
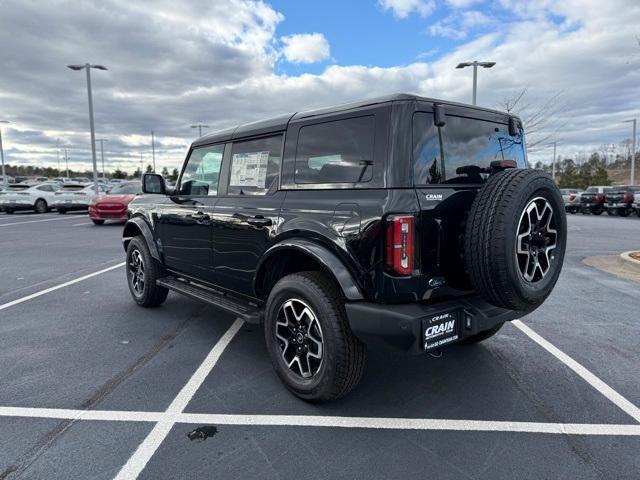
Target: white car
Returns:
[75, 197]
[22, 196]
[636, 203]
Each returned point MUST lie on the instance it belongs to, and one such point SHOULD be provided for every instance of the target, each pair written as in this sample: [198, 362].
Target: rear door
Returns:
[246, 216]
[447, 172]
[183, 223]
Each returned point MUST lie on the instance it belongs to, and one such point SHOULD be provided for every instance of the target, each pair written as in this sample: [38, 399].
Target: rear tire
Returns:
[9, 211]
[515, 239]
[624, 212]
[97, 222]
[305, 319]
[597, 211]
[482, 336]
[142, 272]
[61, 211]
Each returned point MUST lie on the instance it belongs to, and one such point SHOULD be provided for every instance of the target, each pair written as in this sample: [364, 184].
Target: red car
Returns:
[113, 205]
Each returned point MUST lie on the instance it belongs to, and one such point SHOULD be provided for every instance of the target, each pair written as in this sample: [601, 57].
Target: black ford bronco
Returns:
[405, 218]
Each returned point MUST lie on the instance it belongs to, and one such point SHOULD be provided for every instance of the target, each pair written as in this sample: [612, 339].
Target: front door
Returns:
[246, 217]
[183, 223]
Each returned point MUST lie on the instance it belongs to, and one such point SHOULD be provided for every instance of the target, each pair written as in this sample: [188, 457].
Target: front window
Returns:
[201, 175]
[462, 150]
[126, 189]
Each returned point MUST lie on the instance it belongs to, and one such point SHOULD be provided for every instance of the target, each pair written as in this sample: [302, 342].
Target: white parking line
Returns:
[628, 407]
[147, 448]
[166, 420]
[83, 224]
[58, 287]
[35, 221]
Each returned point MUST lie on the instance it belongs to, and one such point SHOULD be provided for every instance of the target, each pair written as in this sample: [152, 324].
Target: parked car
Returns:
[113, 205]
[62, 180]
[23, 196]
[410, 219]
[74, 196]
[84, 180]
[636, 203]
[592, 200]
[571, 198]
[6, 180]
[620, 200]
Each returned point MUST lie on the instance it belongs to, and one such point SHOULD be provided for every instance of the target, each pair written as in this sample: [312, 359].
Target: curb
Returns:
[626, 260]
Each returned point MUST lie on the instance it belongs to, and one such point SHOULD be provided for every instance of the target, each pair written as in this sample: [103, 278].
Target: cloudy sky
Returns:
[222, 62]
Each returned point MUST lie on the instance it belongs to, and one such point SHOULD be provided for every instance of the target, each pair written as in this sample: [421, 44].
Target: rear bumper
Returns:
[402, 325]
[108, 215]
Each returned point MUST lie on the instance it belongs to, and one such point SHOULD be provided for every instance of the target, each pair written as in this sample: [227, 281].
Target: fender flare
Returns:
[329, 261]
[141, 225]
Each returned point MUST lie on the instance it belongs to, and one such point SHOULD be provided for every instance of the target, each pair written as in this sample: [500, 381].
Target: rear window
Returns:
[457, 152]
[19, 187]
[73, 187]
[340, 151]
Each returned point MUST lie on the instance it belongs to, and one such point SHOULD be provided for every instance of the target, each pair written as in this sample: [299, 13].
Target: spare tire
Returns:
[515, 239]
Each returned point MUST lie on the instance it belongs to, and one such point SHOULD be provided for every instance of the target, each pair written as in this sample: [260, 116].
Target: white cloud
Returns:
[457, 25]
[403, 8]
[305, 48]
[463, 3]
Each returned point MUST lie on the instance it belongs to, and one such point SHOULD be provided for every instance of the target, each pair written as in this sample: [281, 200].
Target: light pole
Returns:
[553, 164]
[4, 175]
[475, 64]
[102, 140]
[633, 152]
[153, 151]
[66, 161]
[88, 67]
[199, 126]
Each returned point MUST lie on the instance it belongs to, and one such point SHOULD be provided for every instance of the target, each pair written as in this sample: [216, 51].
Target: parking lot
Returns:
[92, 386]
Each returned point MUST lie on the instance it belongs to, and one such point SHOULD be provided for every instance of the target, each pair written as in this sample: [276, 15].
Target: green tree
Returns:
[119, 174]
[165, 172]
[174, 174]
[149, 169]
[137, 173]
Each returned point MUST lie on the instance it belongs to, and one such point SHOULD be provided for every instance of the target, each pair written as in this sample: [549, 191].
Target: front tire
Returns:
[310, 343]
[41, 206]
[142, 272]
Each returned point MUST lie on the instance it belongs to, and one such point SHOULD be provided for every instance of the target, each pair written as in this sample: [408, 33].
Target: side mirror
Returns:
[153, 183]
[438, 115]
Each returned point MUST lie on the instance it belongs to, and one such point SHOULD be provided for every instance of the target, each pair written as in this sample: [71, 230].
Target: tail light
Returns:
[599, 198]
[627, 198]
[400, 247]
[572, 197]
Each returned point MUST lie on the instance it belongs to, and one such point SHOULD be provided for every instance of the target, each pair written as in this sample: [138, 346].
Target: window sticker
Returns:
[249, 169]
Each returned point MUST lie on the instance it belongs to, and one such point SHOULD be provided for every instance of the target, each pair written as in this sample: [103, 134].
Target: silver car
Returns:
[571, 197]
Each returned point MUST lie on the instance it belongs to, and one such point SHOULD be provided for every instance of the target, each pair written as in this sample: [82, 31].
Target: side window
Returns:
[255, 165]
[45, 188]
[200, 176]
[336, 152]
[459, 151]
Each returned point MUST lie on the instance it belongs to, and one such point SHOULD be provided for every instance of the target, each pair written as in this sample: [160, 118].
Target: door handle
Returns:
[260, 221]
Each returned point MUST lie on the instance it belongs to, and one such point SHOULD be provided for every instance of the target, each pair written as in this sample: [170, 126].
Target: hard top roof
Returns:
[279, 123]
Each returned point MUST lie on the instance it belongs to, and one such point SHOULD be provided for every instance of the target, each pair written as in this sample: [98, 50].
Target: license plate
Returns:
[440, 330]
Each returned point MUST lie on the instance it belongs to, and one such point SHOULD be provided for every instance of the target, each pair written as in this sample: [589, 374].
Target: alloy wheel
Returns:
[536, 239]
[299, 335]
[136, 271]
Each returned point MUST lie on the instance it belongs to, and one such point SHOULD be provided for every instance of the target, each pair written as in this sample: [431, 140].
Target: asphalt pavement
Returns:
[92, 386]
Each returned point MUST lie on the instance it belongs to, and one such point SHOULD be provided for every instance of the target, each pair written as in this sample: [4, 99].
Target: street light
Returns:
[633, 152]
[475, 64]
[153, 150]
[88, 67]
[4, 175]
[199, 126]
[102, 140]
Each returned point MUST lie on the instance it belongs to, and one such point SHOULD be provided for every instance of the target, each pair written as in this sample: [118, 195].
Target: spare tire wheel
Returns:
[515, 239]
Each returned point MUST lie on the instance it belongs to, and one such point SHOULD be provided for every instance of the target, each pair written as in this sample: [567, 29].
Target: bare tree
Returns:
[540, 119]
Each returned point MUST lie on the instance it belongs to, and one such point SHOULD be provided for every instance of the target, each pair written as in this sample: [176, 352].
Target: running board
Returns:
[247, 311]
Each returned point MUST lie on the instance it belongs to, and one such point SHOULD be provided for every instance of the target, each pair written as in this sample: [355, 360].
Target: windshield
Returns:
[462, 149]
[126, 189]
